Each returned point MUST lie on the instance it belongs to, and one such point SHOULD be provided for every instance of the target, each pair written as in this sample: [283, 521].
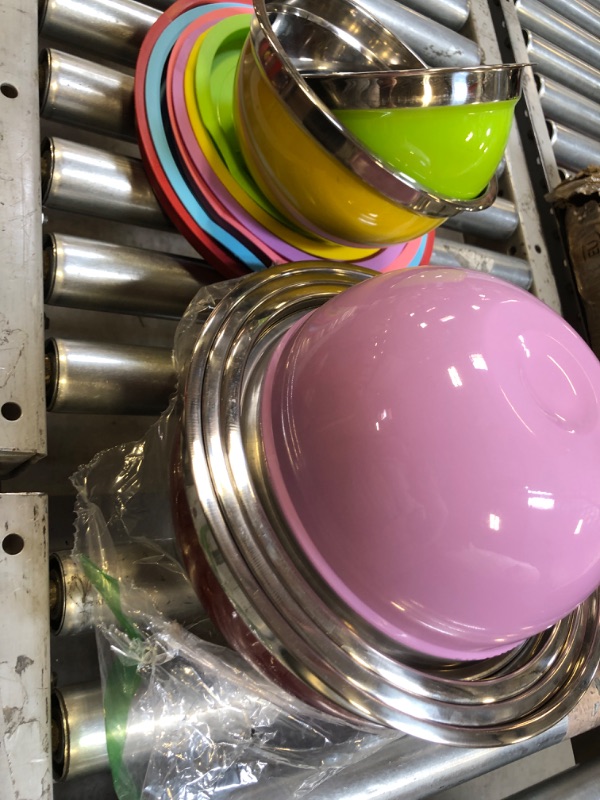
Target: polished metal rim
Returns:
[313, 115]
[490, 702]
[443, 86]
[372, 45]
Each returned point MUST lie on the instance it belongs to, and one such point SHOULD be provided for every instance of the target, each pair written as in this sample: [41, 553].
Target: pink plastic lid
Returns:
[432, 437]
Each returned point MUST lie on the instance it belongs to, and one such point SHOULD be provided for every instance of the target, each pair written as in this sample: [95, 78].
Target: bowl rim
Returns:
[418, 88]
[277, 69]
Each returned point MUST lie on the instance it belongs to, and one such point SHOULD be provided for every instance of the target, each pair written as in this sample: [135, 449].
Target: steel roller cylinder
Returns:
[84, 273]
[434, 43]
[560, 104]
[86, 180]
[113, 29]
[498, 222]
[451, 13]
[76, 607]
[89, 378]
[536, 17]
[78, 733]
[78, 92]
[578, 11]
[565, 69]
[511, 269]
[572, 150]
[79, 730]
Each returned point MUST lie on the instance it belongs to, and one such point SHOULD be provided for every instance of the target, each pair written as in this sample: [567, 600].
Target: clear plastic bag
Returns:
[186, 718]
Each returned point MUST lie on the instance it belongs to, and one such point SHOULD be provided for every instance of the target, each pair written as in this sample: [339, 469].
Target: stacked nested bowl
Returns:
[364, 146]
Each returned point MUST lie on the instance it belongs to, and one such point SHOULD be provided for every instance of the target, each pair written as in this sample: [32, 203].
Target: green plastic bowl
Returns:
[451, 150]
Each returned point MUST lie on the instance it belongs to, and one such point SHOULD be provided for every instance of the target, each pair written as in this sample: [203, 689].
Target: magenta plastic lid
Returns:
[432, 437]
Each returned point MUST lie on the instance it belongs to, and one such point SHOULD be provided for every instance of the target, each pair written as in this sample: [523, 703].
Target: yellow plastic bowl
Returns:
[312, 188]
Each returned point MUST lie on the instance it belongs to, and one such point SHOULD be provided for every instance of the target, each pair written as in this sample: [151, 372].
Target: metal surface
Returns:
[22, 417]
[580, 783]
[409, 771]
[444, 86]
[583, 14]
[434, 43]
[78, 734]
[25, 770]
[88, 378]
[79, 730]
[267, 52]
[345, 37]
[113, 29]
[451, 13]
[84, 273]
[511, 269]
[498, 222]
[87, 180]
[297, 619]
[86, 94]
[573, 150]
[75, 606]
[539, 19]
[569, 108]
[564, 68]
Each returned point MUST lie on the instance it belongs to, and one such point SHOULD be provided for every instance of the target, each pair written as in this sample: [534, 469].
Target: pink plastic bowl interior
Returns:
[432, 437]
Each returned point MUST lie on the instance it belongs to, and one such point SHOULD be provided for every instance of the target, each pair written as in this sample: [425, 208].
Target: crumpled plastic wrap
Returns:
[186, 718]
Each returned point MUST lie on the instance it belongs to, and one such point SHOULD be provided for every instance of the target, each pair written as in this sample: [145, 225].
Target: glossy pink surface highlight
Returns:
[432, 437]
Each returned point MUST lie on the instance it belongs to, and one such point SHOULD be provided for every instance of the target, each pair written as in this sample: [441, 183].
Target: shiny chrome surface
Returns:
[562, 67]
[434, 43]
[343, 37]
[86, 180]
[586, 15]
[79, 739]
[86, 94]
[455, 254]
[89, 378]
[75, 606]
[78, 734]
[100, 276]
[560, 104]
[498, 222]
[573, 150]
[444, 86]
[451, 13]
[314, 117]
[112, 29]
[297, 619]
[563, 33]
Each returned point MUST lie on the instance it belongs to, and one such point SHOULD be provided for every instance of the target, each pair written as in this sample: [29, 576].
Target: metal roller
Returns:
[578, 11]
[455, 254]
[78, 734]
[85, 94]
[569, 108]
[498, 222]
[552, 62]
[75, 606]
[88, 378]
[437, 45]
[579, 783]
[84, 273]
[557, 30]
[113, 29]
[573, 150]
[451, 13]
[79, 729]
[87, 180]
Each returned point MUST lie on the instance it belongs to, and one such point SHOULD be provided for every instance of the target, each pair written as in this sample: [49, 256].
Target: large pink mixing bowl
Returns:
[432, 438]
